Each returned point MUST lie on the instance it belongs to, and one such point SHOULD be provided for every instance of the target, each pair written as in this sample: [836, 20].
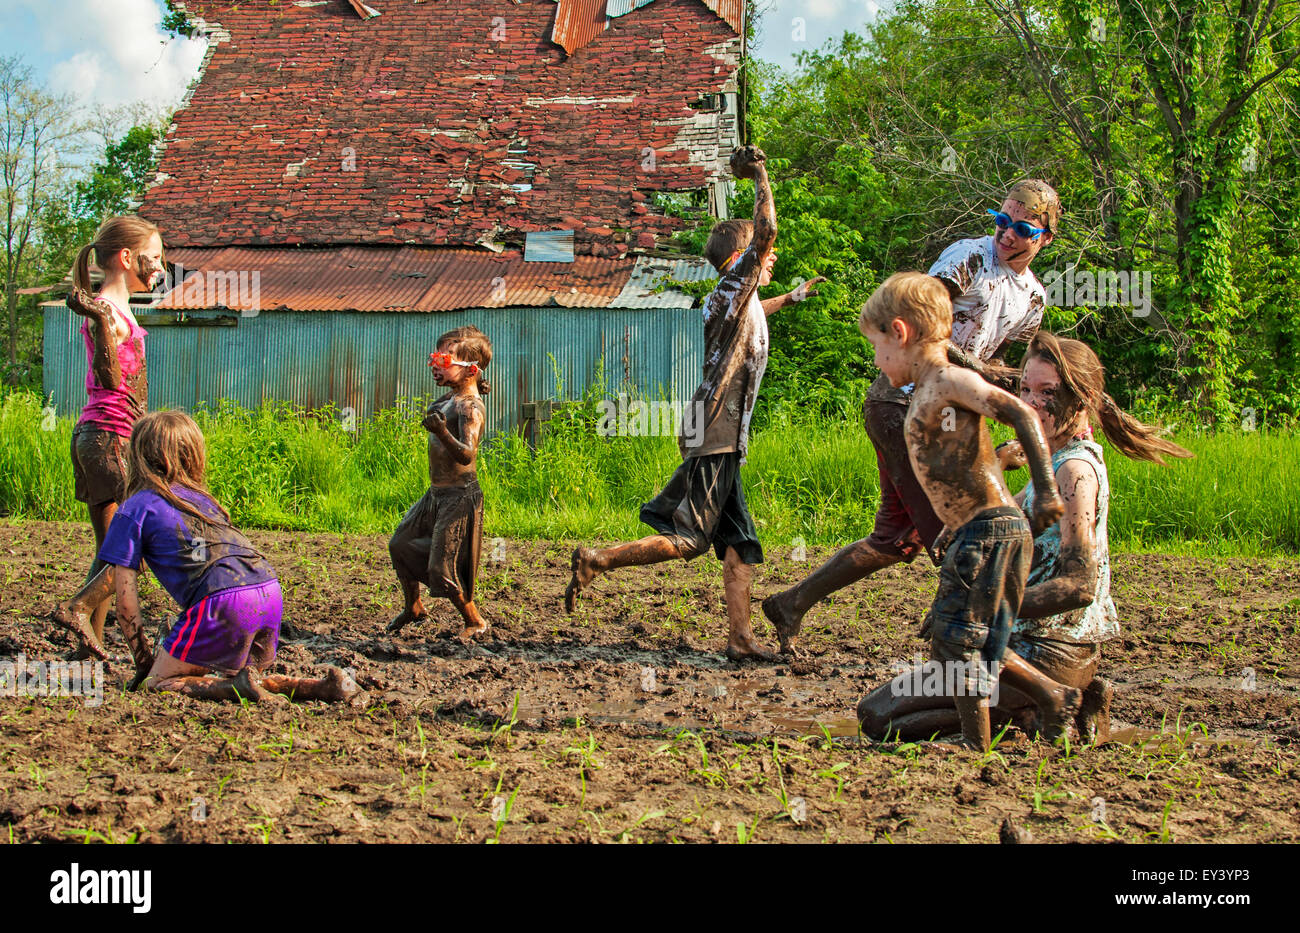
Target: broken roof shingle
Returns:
[310, 126]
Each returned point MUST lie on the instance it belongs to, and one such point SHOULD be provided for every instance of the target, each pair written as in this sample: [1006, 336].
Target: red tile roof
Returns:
[428, 123]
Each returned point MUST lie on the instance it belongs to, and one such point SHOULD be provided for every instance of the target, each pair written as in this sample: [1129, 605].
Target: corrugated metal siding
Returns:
[367, 361]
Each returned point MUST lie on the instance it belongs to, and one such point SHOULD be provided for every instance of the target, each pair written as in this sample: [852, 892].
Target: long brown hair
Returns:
[114, 235]
[166, 450]
[1083, 385]
[472, 345]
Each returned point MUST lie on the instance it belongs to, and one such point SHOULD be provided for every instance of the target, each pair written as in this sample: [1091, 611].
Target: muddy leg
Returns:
[1093, 719]
[244, 685]
[474, 623]
[737, 579]
[75, 614]
[100, 517]
[1056, 703]
[588, 563]
[975, 730]
[335, 687]
[412, 609]
[785, 610]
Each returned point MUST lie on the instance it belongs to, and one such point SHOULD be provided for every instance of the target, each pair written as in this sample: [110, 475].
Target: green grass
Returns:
[810, 477]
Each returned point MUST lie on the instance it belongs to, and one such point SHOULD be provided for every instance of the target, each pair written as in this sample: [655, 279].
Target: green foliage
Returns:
[809, 476]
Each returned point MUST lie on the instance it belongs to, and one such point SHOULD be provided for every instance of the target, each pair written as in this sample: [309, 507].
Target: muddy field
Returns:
[547, 731]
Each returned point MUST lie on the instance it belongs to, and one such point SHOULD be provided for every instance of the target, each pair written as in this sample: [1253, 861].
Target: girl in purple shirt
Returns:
[229, 597]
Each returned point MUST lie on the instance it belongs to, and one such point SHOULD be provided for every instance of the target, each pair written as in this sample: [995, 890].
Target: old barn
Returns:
[345, 181]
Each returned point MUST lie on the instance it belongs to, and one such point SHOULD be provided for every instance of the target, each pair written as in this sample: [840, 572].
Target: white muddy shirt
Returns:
[994, 304]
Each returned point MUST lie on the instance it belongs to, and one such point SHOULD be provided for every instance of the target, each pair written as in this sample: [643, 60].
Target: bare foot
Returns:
[1093, 719]
[1055, 719]
[248, 685]
[583, 574]
[337, 686]
[783, 619]
[404, 618]
[746, 649]
[78, 623]
[470, 631]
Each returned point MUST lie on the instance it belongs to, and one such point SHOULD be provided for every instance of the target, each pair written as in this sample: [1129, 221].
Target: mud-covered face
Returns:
[769, 261]
[1055, 405]
[146, 266]
[452, 375]
[1013, 249]
[889, 353]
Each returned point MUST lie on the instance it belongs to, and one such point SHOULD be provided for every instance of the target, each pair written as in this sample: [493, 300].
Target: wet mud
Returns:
[625, 722]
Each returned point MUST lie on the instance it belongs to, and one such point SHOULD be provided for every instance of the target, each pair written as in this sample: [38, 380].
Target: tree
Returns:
[37, 130]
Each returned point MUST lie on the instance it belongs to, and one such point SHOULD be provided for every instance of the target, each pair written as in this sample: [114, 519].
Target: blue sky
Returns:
[113, 53]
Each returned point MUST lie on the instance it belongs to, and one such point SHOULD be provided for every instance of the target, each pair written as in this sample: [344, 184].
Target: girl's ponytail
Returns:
[1131, 437]
[81, 269]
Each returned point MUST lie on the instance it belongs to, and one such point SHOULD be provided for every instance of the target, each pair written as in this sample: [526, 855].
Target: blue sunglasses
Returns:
[1022, 229]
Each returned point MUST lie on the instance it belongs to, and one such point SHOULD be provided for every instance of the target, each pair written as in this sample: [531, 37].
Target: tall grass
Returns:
[809, 477]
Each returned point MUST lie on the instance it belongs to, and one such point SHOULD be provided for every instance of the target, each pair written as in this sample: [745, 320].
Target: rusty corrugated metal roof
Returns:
[732, 12]
[577, 22]
[359, 278]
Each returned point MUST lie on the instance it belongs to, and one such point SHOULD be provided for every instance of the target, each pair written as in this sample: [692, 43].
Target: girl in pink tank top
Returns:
[129, 250]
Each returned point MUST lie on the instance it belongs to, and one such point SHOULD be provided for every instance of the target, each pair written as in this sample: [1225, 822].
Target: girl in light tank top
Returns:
[129, 250]
[1067, 611]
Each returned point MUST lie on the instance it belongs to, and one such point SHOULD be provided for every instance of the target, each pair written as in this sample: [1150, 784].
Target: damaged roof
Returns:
[438, 125]
[408, 278]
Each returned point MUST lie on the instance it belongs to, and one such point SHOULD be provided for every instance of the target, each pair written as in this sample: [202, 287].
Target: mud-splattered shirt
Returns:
[735, 357]
[994, 304]
[189, 564]
[1097, 621]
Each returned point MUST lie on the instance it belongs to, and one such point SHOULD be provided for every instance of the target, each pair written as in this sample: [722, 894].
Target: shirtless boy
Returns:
[986, 536]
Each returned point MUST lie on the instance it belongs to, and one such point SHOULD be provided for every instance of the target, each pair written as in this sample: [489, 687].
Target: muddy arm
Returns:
[472, 422]
[105, 364]
[1075, 586]
[803, 292]
[128, 618]
[986, 399]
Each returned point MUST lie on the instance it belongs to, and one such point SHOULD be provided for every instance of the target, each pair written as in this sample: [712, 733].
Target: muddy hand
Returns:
[140, 674]
[81, 303]
[1047, 511]
[806, 290]
[746, 161]
[940, 546]
[1011, 455]
[435, 423]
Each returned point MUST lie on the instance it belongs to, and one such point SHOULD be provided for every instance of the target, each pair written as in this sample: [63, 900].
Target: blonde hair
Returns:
[167, 449]
[473, 346]
[114, 235]
[919, 300]
[726, 237]
[1083, 386]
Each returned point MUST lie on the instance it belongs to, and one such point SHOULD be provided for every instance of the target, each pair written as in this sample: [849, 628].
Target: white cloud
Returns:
[109, 54]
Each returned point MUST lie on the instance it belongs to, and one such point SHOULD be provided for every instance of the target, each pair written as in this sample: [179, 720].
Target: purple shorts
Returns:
[229, 630]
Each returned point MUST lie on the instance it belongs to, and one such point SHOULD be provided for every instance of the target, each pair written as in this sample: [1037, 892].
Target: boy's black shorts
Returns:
[704, 504]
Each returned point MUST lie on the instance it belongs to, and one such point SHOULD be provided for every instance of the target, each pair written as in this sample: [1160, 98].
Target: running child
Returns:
[986, 536]
[703, 503]
[129, 250]
[439, 541]
[231, 605]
